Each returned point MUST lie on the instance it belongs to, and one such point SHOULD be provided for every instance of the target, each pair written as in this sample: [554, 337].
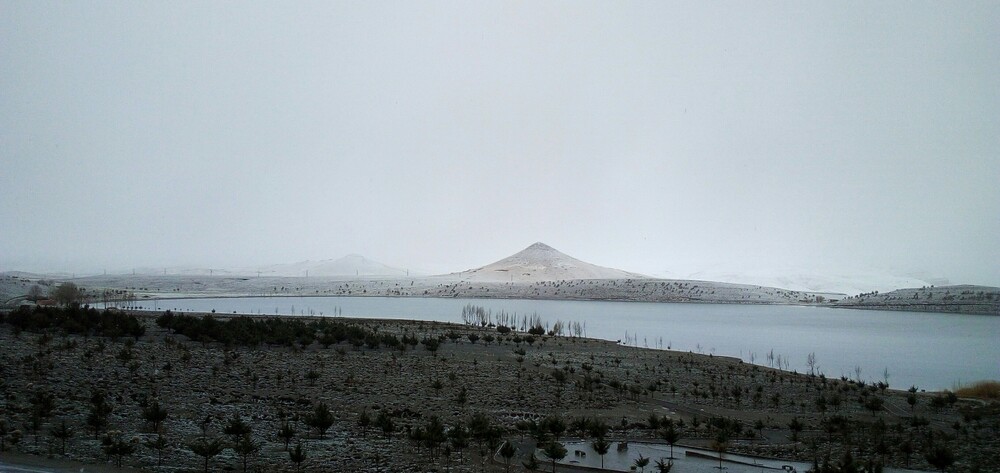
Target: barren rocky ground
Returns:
[48, 379]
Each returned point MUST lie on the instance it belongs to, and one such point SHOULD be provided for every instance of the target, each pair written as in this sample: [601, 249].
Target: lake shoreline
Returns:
[843, 340]
[962, 299]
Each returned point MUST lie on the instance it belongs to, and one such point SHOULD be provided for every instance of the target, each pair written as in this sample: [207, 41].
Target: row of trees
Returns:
[252, 332]
[75, 319]
[247, 331]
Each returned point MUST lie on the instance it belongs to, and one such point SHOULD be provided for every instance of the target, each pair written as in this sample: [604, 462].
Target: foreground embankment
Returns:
[268, 394]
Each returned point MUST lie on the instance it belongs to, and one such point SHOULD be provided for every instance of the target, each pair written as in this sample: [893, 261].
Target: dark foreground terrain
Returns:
[181, 393]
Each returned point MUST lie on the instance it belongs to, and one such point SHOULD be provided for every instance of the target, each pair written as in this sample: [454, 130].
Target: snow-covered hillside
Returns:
[857, 282]
[349, 266]
[541, 262]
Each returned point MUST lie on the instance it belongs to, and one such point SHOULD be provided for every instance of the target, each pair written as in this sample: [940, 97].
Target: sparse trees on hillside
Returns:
[321, 419]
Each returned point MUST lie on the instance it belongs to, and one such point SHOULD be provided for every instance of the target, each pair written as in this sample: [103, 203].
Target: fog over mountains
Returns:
[536, 272]
[541, 262]
[352, 265]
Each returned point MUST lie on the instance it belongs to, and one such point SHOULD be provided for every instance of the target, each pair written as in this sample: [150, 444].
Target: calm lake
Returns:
[928, 350]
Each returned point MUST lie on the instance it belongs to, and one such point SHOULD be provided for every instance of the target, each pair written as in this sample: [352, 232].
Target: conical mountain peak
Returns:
[540, 246]
[541, 262]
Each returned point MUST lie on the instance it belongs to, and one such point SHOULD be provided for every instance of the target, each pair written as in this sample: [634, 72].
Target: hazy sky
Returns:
[649, 136]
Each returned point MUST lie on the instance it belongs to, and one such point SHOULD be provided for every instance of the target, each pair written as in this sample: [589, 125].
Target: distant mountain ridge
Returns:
[541, 262]
[352, 265]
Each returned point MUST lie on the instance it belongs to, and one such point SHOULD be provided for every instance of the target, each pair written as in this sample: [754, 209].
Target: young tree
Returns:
[664, 467]
[42, 404]
[321, 419]
[874, 404]
[906, 448]
[4, 430]
[459, 437]
[553, 425]
[364, 421]
[559, 376]
[507, 451]
[155, 415]
[206, 449]
[158, 444]
[286, 433]
[555, 451]
[795, 426]
[236, 429]
[245, 447]
[62, 432]
[641, 463]
[580, 425]
[671, 436]
[67, 293]
[532, 463]
[721, 444]
[35, 293]
[431, 344]
[97, 419]
[297, 456]
[433, 434]
[34, 424]
[116, 446]
[911, 397]
[15, 437]
[312, 376]
[940, 457]
[602, 446]
[384, 422]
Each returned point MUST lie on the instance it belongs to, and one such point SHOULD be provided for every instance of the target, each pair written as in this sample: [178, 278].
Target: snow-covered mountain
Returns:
[540, 262]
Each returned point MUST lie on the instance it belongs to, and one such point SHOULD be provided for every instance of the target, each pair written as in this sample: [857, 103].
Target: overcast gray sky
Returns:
[649, 136]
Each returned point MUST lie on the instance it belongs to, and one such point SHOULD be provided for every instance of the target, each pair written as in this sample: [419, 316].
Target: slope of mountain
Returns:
[963, 299]
[540, 262]
[797, 279]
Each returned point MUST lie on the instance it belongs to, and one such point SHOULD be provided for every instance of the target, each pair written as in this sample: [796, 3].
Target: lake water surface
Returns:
[929, 350]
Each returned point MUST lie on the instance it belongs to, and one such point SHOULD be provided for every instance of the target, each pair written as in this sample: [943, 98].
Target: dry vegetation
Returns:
[986, 390]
